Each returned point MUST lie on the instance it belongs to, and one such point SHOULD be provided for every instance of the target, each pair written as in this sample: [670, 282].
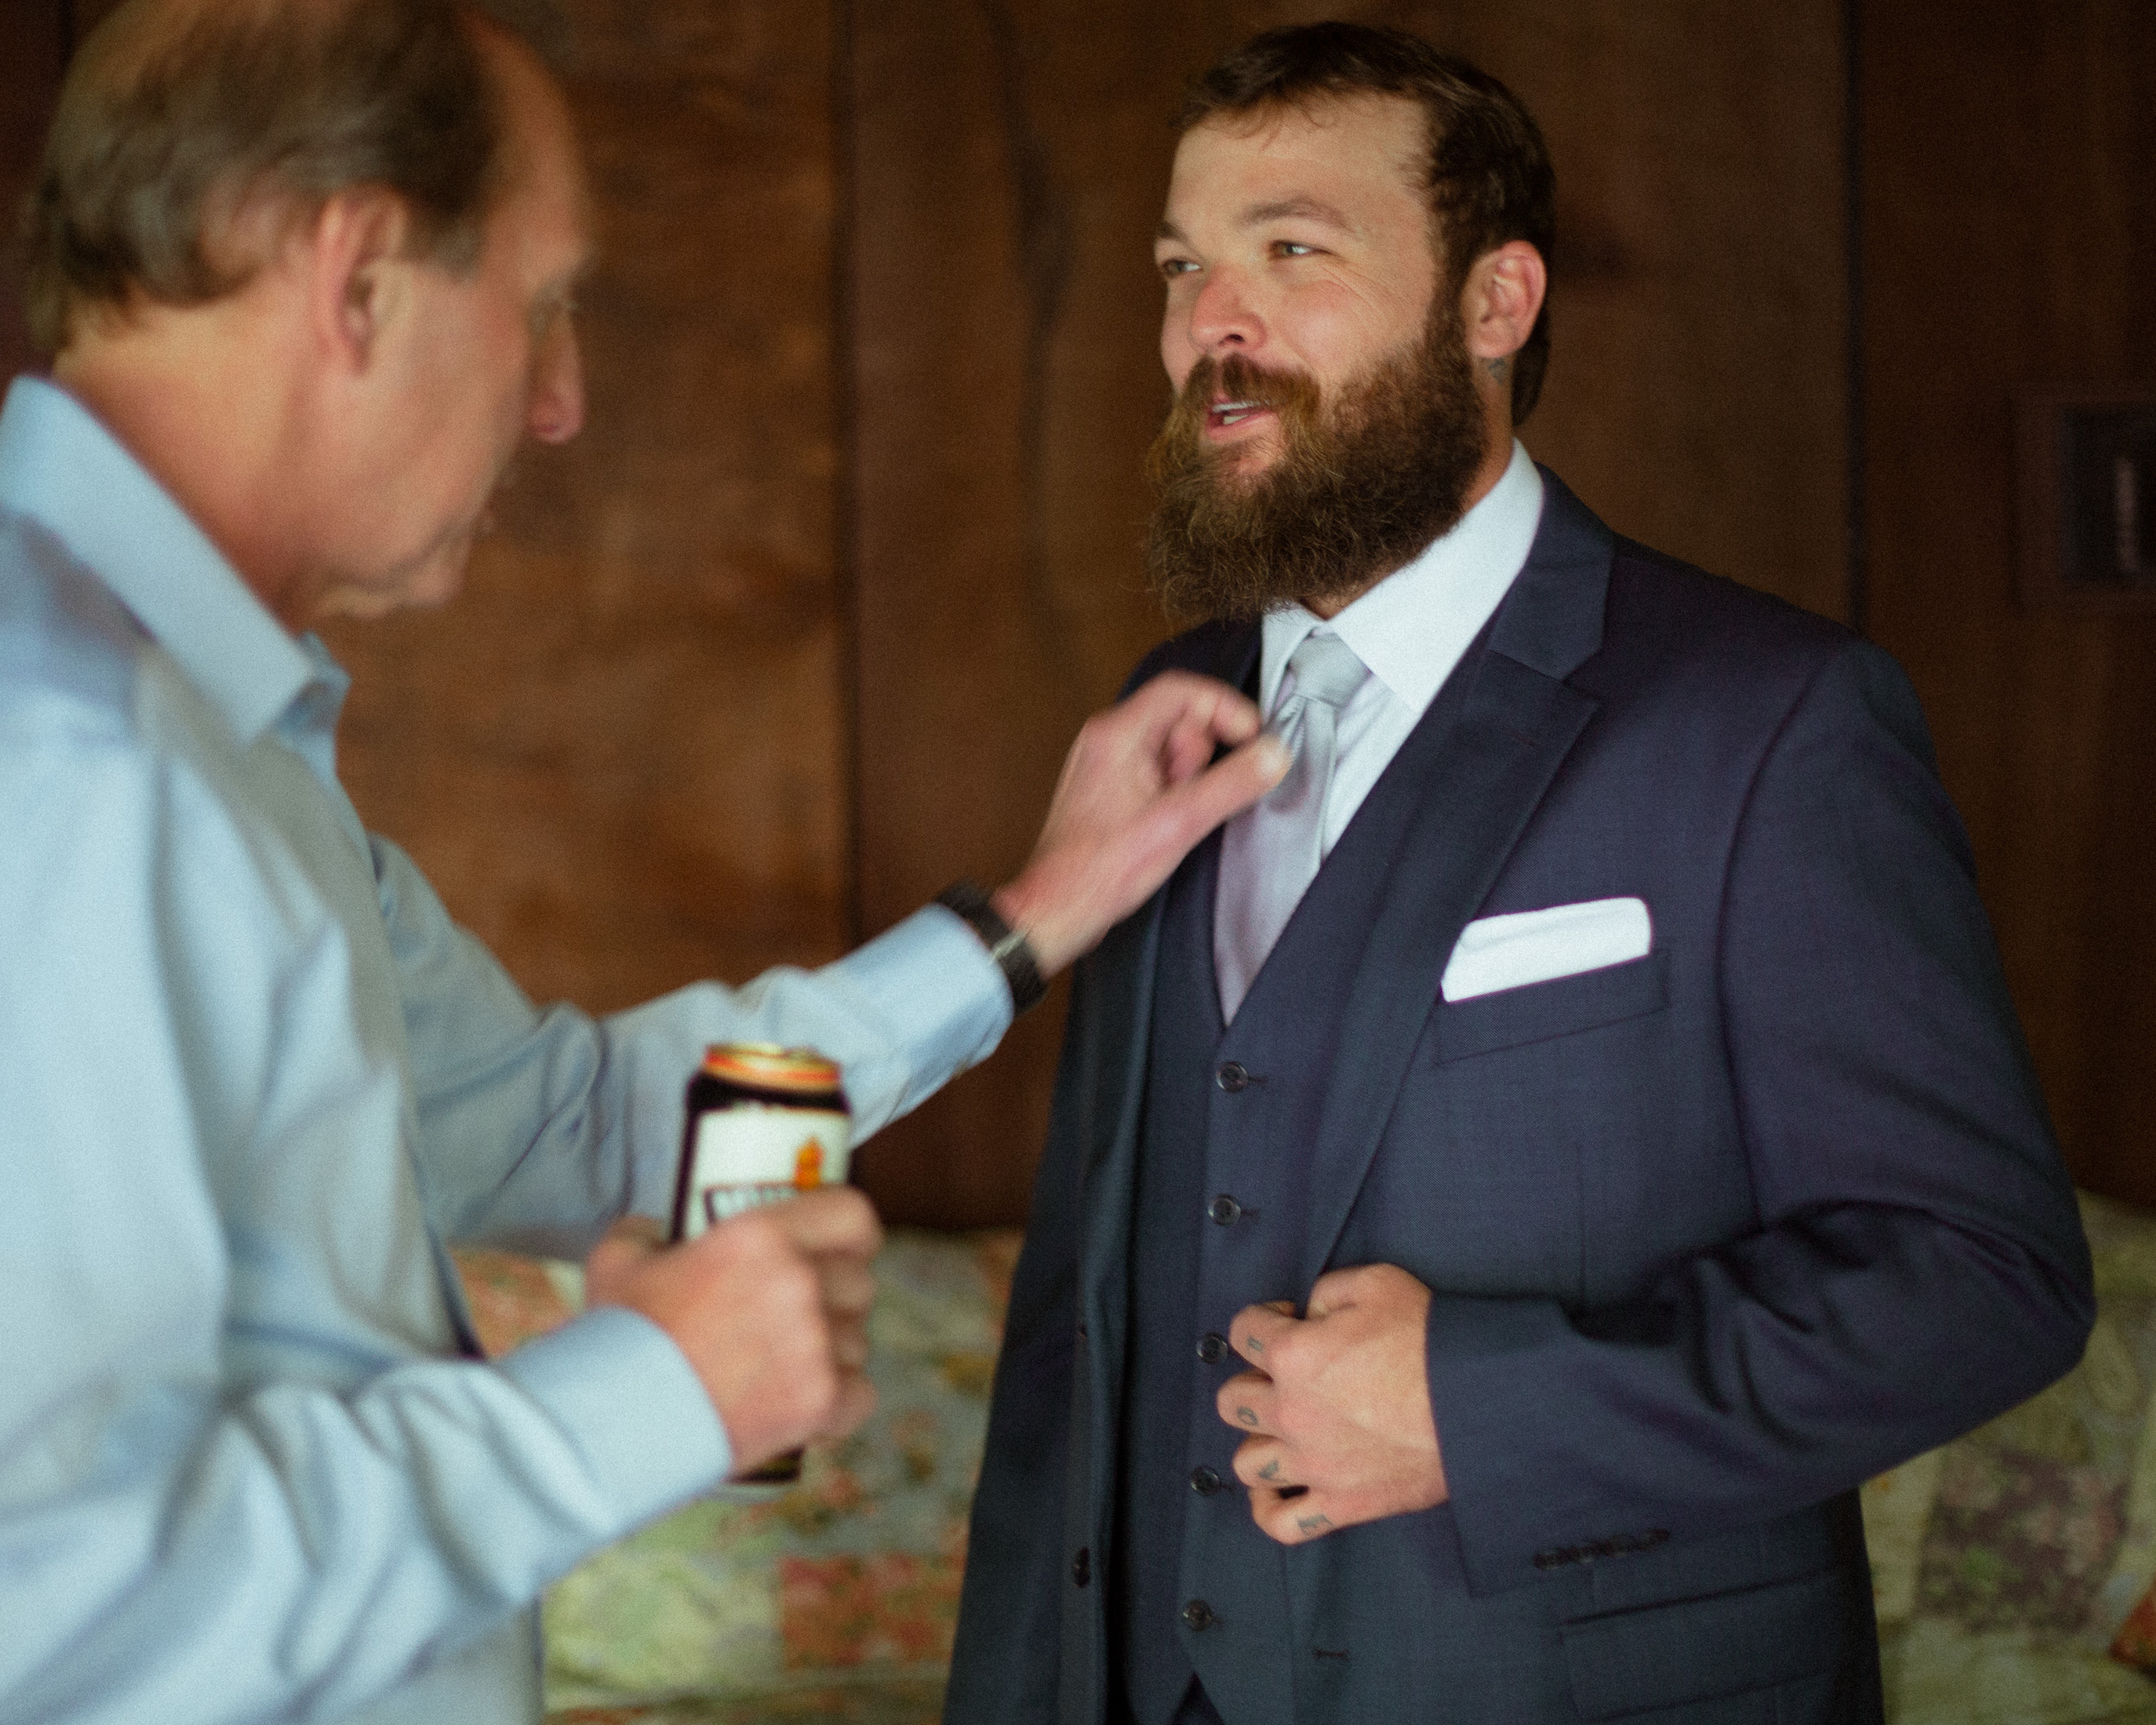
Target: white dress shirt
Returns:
[1411, 629]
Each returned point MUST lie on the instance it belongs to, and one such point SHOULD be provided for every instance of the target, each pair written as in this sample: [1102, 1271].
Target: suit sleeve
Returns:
[1918, 1264]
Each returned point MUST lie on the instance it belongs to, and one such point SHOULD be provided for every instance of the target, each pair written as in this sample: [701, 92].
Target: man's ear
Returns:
[1502, 299]
[357, 274]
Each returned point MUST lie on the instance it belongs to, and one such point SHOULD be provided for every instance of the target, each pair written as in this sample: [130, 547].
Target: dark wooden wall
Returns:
[33, 36]
[623, 754]
[2010, 245]
[799, 629]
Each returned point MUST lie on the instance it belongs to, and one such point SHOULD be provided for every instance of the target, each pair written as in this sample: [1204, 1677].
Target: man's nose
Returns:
[1224, 317]
[557, 393]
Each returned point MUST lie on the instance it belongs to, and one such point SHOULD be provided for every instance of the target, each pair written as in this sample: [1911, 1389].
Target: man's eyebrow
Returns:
[1281, 210]
[1297, 209]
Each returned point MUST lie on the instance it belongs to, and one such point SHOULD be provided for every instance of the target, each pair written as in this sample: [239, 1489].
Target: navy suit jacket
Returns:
[1713, 1235]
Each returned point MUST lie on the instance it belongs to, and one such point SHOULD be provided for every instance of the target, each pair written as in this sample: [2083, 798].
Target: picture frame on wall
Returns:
[2085, 499]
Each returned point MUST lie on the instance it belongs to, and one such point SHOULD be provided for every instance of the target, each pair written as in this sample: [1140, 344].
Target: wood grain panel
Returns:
[621, 754]
[1008, 166]
[2011, 241]
[1697, 394]
[34, 34]
[1009, 158]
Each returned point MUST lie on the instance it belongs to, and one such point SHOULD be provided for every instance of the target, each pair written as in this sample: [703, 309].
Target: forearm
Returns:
[217, 1557]
[538, 1128]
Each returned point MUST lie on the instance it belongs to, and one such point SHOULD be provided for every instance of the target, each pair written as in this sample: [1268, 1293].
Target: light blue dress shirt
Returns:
[252, 1077]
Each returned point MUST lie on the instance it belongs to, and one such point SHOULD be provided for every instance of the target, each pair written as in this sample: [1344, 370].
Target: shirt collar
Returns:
[61, 468]
[1412, 627]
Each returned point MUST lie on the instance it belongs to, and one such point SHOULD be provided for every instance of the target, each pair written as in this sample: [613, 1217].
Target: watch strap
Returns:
[1010, 948]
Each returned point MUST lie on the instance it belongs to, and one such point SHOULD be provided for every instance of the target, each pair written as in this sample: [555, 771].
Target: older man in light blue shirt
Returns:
[253, 1078]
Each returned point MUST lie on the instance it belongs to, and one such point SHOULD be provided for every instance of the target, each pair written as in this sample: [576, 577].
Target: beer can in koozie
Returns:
[764, 1123]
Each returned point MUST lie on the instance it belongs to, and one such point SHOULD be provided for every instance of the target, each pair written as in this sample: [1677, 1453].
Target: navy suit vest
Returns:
[1225, 1217]
[1220, 1224]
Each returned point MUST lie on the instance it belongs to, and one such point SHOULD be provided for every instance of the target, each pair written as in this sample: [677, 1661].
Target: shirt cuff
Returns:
[930, 974]
[636, 1411]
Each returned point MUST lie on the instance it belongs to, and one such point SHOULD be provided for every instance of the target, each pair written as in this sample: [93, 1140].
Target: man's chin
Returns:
[425, 585]
[1245, 463]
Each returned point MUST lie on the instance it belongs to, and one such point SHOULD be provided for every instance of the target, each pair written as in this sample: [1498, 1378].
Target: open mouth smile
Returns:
[1223, 414]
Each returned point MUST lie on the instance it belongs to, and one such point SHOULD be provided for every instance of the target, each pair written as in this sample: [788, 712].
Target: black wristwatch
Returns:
[1012, 953]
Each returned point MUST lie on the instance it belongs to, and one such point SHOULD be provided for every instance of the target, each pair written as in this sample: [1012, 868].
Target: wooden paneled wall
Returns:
[34, 35]
[622, 754]
[2010, 153]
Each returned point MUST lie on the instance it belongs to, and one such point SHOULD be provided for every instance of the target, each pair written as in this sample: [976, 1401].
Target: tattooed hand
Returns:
[1338, 1423]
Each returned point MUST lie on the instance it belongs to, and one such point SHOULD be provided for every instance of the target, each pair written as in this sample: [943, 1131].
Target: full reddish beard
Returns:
[1358, 487]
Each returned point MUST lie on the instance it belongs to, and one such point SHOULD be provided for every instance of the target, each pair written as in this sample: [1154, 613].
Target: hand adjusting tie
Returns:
[1012, 951]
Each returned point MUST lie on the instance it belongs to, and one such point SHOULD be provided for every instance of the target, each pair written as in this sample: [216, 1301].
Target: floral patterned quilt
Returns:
[835, 1600]
[2012, 1569]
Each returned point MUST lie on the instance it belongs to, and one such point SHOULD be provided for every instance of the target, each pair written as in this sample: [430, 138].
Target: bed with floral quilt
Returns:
[2012, 1569]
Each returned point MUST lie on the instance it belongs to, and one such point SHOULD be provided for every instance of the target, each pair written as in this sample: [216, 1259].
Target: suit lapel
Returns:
[1427, 845]
[1440, 826]
[1110, 1044]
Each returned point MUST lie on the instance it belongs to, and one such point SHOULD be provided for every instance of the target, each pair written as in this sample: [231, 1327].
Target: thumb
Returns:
[1336, 1290]
[1228, 787]
[626, 1245]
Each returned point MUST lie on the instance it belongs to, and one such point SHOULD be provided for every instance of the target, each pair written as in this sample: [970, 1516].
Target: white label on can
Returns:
[754, 1153]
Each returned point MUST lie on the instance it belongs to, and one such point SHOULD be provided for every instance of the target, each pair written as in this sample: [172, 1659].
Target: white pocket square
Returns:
[1539, 946]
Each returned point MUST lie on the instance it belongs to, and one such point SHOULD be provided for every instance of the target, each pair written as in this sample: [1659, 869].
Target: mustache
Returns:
[1182, 444]
[1238, 379]
[1361, 477]
[1290, 394]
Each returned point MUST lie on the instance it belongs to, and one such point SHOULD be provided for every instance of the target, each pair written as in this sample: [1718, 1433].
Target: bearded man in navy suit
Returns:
[1510, 1188]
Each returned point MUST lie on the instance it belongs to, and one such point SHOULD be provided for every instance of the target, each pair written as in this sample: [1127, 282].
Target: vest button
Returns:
[1224, 1210]
[1204, 1481]
[1233, 1076]
[1081, 1565]
[1199, 1616]
[1213, 1347]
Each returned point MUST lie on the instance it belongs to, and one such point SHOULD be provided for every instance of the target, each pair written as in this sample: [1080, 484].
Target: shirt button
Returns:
[1199, 1616]
[1081, 1565]
[1233, 1076]
[1204, 1481]
[1224, 1209]
[1213, 1347]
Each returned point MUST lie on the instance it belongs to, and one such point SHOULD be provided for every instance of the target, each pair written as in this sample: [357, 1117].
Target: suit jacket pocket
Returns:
[1691, 1650]
[1562, 1007]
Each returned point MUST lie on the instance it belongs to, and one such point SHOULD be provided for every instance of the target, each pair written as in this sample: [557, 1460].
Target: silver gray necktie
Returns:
[1270, 852]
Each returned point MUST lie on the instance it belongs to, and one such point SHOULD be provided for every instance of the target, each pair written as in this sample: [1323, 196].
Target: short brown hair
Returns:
[1490, 178]
[176, 117]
